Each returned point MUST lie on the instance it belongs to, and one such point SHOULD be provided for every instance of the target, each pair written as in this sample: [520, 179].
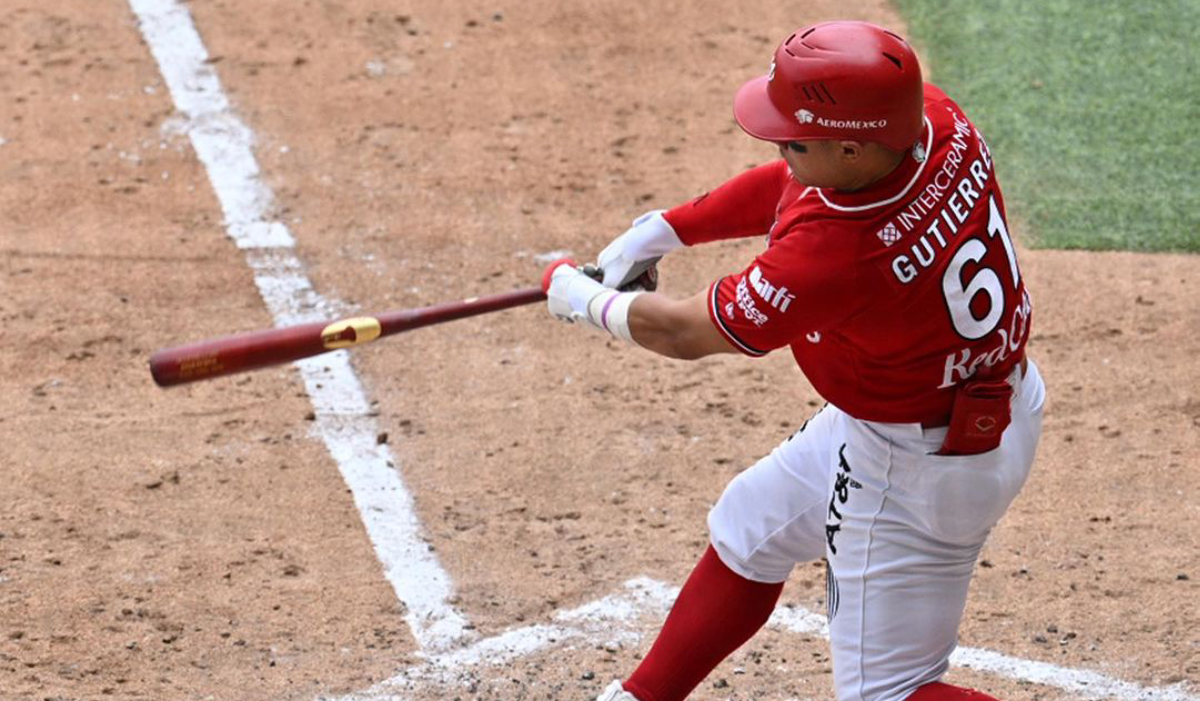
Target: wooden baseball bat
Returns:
[216, 357]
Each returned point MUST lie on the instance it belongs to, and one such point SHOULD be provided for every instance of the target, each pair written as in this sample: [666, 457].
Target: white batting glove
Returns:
[572, 295]
[650, 238]
[568, 292]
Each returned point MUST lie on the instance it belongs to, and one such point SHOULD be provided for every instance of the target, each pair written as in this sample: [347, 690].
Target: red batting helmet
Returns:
[837, 80]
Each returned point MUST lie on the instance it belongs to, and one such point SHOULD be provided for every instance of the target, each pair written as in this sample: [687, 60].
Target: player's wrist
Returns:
[609, 311]
[574, 296]
[650, 237]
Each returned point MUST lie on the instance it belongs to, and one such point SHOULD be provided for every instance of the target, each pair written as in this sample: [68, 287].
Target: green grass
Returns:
[1091, 108]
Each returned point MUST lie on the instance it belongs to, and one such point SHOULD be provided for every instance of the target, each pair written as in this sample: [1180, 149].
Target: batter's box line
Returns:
[343, 417]
[607, 621]
[613, 621]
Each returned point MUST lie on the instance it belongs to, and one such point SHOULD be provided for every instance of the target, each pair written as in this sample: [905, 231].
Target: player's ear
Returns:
[851, 150]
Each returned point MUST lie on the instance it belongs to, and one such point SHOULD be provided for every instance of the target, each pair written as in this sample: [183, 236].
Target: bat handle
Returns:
[408, 319]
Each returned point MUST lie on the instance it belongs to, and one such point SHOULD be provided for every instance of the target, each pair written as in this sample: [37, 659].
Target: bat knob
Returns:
[549, 272]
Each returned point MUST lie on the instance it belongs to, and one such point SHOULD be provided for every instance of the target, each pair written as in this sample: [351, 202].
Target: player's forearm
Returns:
[743, 206]
[675, 328]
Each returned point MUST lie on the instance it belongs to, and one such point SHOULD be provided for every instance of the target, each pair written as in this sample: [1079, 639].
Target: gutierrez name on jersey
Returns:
[965, 194]
[953, 213]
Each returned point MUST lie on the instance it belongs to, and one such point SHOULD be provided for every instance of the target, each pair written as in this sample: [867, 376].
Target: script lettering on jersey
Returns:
[842, 484]
[746, 303]
[961, 364]
[777, 297]
[966, 193]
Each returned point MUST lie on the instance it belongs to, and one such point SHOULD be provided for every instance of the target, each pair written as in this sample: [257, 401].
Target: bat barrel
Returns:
[248, 351]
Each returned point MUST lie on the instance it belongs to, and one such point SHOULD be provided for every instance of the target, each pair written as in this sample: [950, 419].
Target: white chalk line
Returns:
[606, 621]
[614, 620]
[344, 421]
[346, 425]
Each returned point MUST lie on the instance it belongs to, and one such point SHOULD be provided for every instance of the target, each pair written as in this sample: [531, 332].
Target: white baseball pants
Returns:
[901, 529]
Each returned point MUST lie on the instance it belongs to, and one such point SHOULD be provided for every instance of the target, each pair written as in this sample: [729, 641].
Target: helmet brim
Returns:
[759, 117]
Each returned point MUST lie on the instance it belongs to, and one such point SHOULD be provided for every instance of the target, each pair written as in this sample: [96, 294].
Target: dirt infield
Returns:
[200, 543]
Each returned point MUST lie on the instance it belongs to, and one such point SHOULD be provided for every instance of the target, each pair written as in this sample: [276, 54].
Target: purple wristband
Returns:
[604, 312]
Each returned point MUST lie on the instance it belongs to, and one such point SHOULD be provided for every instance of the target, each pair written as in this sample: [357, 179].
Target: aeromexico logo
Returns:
[808, 117]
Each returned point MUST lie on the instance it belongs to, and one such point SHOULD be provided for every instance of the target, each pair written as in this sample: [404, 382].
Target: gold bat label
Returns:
[199, 367]
[350, 332]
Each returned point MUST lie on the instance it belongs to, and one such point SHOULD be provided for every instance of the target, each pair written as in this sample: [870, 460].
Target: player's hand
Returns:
[633, 253]
[569, 290]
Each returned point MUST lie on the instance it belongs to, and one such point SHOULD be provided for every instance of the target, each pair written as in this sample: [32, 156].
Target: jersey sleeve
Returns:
[803, 284]
[743, 206]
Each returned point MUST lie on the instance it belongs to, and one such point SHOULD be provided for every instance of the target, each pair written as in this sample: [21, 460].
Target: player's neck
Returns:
[875, 165]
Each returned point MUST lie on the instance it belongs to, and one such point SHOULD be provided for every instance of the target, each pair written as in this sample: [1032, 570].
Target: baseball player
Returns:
[889, 273]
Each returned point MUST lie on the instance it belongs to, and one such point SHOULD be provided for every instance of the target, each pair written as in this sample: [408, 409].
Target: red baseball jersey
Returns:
[889, 296]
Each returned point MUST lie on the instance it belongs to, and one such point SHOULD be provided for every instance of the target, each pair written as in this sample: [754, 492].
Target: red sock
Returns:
[717, 610]
[938, 691]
